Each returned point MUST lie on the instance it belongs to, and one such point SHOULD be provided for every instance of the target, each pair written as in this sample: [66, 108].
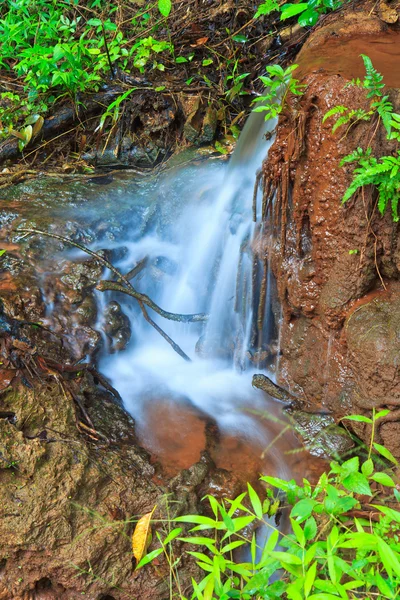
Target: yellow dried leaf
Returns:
[142, 536]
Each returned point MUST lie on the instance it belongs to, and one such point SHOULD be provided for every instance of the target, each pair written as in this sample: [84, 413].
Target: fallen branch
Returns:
[142, 299]
[106, 285]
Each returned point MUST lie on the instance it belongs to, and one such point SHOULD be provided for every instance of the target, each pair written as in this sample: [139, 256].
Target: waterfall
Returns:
[198, 234]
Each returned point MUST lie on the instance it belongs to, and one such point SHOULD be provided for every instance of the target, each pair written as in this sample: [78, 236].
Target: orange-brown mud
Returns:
[340, 336]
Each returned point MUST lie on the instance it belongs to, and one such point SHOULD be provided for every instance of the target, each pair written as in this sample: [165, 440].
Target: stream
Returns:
[193, 226]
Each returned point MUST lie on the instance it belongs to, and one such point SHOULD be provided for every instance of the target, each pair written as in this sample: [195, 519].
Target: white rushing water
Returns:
[199, 260]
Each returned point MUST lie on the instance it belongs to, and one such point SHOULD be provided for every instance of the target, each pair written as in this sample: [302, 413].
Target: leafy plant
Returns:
[278, 84]
[308, 13]
[382, 172]
[336, 548]
[145, 49]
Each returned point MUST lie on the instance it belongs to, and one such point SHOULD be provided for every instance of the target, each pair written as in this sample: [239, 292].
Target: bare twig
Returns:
[162, 333]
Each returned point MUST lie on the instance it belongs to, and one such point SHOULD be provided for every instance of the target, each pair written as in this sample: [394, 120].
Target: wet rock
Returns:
[201, 124]
[67, 500]
[388, 13]
[80, 277]
[116, 326]
[373, 339]
[86, 312]
[320, 434]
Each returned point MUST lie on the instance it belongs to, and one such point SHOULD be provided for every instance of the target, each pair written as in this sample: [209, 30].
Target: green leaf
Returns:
[172, 535]
[232, 546]
[196, 519]
[181, 59]
[367, 468]
[285, 557]
[291, 10]
[149, 557]
[310, 529]
[164, 6]
[303, 508]
[383, 413]
[385, 452]
[383, 586]
[383, 479]
[358, 418]
[350, 466]
[255, 502]
[308, 18]
[358, 483]
[241, 39]
[207, 61]
[298, 532]
[2, 251]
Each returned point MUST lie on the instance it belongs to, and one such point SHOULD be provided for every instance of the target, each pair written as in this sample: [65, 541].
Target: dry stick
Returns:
[141, 298]
[137, 268]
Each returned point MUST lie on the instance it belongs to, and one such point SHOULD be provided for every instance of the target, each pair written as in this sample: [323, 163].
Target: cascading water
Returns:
[197, 234]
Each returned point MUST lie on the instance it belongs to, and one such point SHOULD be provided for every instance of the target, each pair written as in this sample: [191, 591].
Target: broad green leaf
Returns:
[298, 532]
[232, 546]
[389, 558]
[241, 39]
[303, 508]
[351, 466]
[358, 483]
[196, 519]
[383, 479]
[381, 413]
[308, 18]
[285, 557]
[172, 535]
[200, 541]
[389, 512]
[164, 6]
[291, 10]
[367, 467]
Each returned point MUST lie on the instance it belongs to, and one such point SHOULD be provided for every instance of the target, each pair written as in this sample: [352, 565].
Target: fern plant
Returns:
[380, 105]
[383, 172]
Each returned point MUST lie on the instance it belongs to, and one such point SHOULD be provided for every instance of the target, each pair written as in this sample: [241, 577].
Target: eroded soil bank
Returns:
[338, 274]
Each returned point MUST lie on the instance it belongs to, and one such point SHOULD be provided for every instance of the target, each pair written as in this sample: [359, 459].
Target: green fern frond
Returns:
[336, 110]
[373, 79]
[356, 155]
[341, 121]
